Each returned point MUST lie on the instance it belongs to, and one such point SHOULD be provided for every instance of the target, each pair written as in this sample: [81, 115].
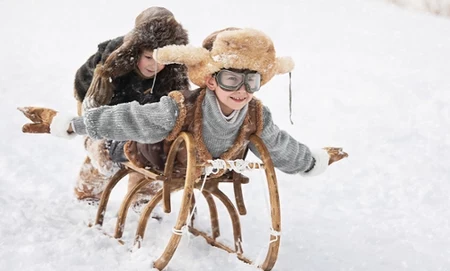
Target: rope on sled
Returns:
[274, 233]
[239, 166]
[184, 229]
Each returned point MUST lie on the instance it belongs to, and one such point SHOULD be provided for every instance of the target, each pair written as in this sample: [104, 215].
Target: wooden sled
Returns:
[210, 190]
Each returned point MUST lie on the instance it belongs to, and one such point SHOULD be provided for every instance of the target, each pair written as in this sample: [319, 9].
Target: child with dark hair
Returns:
[121, 71]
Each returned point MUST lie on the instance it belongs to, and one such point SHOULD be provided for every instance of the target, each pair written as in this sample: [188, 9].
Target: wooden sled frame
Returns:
[209, 191]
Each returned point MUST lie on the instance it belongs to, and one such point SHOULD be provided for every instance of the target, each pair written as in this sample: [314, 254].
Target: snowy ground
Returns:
[370, 77]
[438, 7]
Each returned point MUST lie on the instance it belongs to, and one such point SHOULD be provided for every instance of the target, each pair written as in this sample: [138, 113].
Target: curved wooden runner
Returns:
[107, 192]
[210, 191]
[274, 197]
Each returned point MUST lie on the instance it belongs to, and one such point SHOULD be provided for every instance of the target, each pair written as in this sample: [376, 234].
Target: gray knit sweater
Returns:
[151, 123]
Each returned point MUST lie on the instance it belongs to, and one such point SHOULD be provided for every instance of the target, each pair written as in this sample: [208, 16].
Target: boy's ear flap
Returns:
[284, 65]
[120, 61]
[181, 54]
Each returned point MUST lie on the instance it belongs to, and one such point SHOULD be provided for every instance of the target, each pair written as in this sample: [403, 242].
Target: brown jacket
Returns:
[190, 120]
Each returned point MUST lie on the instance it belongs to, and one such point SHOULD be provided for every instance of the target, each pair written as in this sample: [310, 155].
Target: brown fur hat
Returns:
[155, 27]
[228, 48]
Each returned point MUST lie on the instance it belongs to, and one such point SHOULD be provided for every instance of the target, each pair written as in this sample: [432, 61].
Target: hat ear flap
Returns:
[284, 65]
[181, 54]
[120, 61]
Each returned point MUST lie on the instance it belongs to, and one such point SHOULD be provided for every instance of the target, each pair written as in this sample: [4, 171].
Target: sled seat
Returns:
[209, 188]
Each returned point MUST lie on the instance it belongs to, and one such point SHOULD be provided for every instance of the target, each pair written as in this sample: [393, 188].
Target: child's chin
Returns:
[239, 107]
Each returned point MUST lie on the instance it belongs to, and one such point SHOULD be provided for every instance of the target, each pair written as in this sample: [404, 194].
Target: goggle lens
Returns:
[232, 81]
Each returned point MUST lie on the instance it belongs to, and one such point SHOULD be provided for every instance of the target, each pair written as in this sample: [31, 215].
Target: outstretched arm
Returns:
[44, 122]
[149, 123]
[291, 156]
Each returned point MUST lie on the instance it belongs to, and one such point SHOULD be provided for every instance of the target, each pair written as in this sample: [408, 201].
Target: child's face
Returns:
[147, 65]
[229, 100]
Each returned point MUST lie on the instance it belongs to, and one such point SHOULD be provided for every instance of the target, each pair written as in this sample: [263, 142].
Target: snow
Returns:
[439, 7]
[369, 77]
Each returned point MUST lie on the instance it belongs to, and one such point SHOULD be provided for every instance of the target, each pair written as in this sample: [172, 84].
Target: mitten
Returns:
[46, 121]
[319, 163]
[322, 158]
[335, 154]
[41, 118]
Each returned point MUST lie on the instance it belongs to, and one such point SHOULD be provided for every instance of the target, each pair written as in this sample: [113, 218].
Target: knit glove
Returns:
[322, 158]
[335, 154]
[47, 121]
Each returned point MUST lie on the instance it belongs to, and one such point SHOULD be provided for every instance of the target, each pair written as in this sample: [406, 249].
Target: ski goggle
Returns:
[232, 81]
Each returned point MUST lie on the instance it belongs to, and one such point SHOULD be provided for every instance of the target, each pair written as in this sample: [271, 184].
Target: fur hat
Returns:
[155, 27]
[228, 48]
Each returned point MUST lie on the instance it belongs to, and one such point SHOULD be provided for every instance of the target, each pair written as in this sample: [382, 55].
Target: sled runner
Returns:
[209, 187]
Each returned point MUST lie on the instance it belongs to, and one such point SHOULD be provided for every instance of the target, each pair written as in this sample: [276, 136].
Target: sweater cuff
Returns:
[321, 164]
[60, 124]
[78, 126]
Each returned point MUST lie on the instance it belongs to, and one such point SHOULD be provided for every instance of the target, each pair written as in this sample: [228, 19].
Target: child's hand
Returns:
[41, 118]
[335, 154]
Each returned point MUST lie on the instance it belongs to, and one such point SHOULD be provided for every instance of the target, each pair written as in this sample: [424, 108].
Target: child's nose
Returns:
[242, 88]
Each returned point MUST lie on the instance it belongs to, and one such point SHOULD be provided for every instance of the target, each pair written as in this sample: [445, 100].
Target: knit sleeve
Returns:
[149, 123]
[288, 155]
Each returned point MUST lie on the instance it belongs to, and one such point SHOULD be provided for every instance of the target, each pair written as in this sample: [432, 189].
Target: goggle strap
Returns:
[290, 98]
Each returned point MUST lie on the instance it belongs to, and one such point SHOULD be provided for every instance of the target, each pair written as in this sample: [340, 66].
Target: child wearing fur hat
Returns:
[121, 71]
[222, 114]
